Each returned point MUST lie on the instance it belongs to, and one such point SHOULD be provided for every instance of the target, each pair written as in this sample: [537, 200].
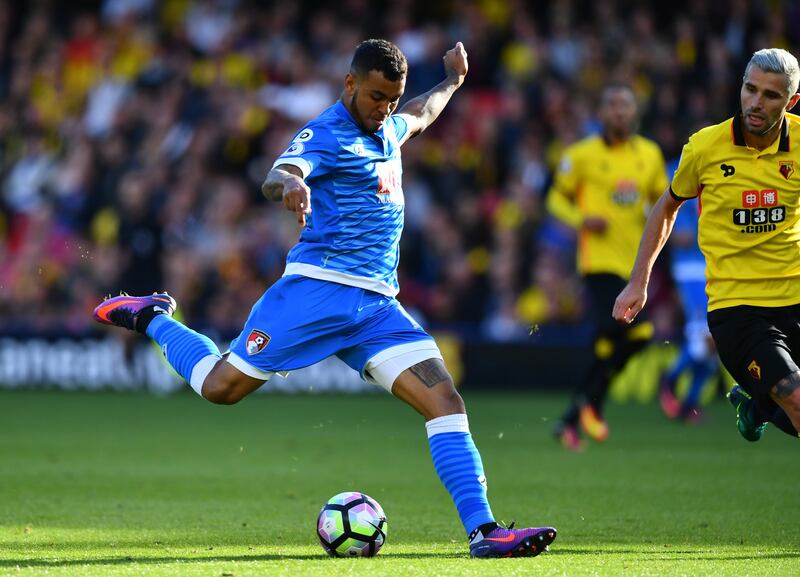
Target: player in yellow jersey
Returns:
[745, 173]
[602, 188]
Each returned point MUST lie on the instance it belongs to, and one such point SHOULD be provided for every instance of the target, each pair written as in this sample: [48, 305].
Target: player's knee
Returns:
[221, 392]
[449, 401]
[787, 394]
[791, 404]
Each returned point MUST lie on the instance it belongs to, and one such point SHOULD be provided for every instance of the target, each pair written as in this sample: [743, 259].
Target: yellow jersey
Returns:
[749, 227]
[615, 182]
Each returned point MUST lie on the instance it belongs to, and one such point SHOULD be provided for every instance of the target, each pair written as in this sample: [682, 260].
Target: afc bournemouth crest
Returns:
[256, 342]
[754, 370]
[786, 168]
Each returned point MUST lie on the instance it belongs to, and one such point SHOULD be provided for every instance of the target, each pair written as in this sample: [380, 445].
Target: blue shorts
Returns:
[695, 312]
[300, 321]
[693, 299]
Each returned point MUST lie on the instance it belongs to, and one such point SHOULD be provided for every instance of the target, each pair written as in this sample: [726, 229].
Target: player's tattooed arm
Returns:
[430, 372]
[787, 385]
[279, 179]
[285, 182]
[425, 108]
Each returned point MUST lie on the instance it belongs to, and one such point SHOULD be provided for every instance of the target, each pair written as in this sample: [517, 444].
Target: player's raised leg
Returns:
[749, 420]
[787, 395]
[428, 387]
[769, 378]
[193, 355]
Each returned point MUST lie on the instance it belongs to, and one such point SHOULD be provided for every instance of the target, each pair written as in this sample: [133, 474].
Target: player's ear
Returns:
[350, 83]
[792, 101]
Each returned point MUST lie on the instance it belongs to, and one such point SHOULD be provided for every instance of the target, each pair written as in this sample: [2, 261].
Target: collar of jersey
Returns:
[628, 142]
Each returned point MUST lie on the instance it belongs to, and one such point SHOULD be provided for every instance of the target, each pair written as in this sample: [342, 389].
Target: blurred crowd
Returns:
[135, 135]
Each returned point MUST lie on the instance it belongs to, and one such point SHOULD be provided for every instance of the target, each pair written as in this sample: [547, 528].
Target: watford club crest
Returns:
[754, 369]
[786, 168]
[256, 342]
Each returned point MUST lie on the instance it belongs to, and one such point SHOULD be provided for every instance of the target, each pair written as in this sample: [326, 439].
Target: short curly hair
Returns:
[380, 55]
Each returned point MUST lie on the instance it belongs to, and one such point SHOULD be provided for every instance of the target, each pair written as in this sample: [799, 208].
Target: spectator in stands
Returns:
[201, 93]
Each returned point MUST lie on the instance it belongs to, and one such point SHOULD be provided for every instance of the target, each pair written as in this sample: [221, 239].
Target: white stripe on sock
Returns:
[448, 424]
[200, 371]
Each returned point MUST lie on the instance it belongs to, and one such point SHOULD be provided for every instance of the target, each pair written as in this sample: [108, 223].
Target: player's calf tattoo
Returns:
[787, 385]
[430, 372]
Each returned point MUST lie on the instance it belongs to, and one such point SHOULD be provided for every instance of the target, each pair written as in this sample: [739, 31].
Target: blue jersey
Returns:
[352, 235]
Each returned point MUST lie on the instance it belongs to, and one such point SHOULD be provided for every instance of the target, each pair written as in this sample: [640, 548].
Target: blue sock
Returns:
[191, 354]
[701, 370]
[459, 466]
[681, 364]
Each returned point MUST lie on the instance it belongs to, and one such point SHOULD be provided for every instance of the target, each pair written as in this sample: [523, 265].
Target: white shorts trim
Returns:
[247, 368]
[384, 368]
[319, 273]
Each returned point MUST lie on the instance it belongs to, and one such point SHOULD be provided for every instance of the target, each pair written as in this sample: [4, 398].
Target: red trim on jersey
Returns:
[700, 199]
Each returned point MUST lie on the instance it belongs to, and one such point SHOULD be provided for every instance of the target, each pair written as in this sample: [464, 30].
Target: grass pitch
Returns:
[128, 484]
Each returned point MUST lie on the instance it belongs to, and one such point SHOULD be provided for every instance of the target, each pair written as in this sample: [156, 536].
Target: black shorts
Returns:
[758, 345]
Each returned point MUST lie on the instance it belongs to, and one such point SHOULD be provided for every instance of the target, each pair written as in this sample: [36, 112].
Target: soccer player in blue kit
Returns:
[341, 176]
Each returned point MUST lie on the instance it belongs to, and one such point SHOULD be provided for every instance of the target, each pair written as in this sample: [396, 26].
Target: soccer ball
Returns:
[351, 524]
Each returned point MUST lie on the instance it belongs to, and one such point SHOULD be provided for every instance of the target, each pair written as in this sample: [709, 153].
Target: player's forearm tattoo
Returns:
[275, 184]
[272, 190]
[430, 372]
[787, 386]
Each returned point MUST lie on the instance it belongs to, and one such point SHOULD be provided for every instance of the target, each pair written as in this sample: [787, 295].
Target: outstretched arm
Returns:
[656, 232]
[285, 182]
[424, 109]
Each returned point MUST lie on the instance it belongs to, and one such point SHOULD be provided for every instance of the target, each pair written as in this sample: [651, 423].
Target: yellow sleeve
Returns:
[561, 196]
[685, 183]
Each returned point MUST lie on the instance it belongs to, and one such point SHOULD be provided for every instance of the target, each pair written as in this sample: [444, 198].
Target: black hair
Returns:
[380, 55]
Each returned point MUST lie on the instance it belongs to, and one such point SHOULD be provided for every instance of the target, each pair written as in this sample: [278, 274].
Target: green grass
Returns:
[128, 484]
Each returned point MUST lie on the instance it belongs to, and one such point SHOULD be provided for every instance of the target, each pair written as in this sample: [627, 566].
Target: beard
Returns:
[356, 115]
[760, 131]
[619, 132]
